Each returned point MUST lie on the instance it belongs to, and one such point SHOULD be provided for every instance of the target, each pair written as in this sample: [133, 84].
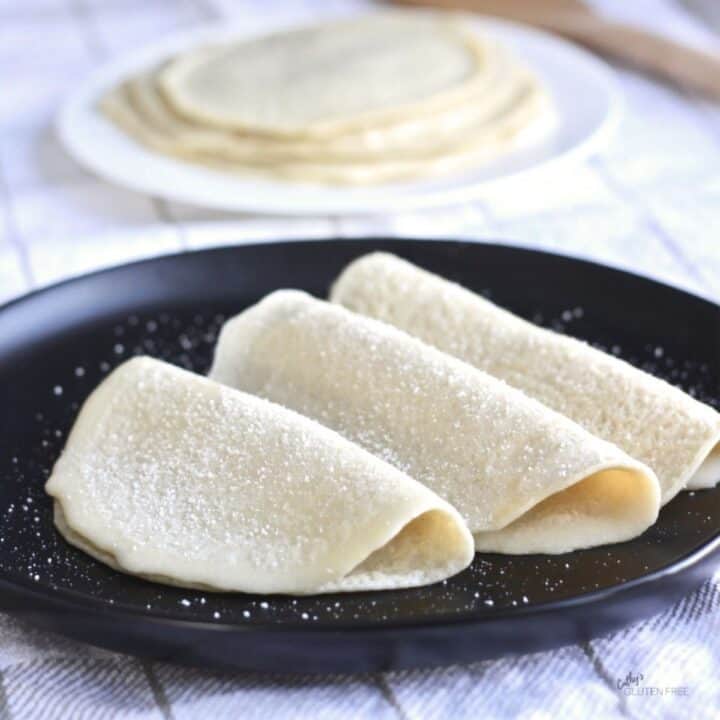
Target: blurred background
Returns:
[650, 202]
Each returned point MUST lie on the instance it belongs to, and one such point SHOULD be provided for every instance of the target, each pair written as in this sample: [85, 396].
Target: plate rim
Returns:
[77, 104]
[61, 597]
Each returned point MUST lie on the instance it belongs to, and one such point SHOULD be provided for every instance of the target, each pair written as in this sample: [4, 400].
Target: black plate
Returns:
[57, 344]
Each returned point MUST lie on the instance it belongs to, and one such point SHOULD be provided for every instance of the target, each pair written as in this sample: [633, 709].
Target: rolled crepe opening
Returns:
[425, 541]
[486, 448]
[653, 421]
[173, 478]
[598, 504]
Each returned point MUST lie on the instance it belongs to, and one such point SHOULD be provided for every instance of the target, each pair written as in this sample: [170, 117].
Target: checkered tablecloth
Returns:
[651, 203]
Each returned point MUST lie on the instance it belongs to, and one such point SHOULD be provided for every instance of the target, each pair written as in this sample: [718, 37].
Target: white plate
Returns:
[583, 90]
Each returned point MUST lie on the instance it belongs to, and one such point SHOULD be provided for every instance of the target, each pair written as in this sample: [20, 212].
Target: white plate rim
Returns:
[276, 197]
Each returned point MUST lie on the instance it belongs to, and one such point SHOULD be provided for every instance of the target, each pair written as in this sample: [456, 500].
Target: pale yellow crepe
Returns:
[658, 424]
[460, 137]
[329, 78]
[373, 99]
[526, 479]
[469, 150]
[169, 476]
[508, 93]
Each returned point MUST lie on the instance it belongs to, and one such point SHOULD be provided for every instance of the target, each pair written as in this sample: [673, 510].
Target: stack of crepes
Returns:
[374, 98]
[336, 449]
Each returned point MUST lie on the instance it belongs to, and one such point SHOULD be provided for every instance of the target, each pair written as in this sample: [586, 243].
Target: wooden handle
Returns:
[684, 66]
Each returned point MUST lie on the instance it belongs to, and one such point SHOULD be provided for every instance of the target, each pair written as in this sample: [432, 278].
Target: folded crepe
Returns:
[171, 477]
[526, 479]
[651, 420]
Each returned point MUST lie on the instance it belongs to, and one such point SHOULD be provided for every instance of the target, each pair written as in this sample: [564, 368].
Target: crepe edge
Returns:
[367, 575]
[629, 510]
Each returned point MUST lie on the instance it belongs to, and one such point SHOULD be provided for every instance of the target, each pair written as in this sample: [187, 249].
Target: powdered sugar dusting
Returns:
[29, 547]
[487, 448]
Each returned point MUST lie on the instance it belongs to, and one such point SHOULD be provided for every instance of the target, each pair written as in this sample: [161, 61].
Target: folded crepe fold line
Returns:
[653, 421]
[174, 478]
[525, 478]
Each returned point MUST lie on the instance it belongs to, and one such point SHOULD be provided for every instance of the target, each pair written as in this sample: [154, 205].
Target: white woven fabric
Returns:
[651, 204]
